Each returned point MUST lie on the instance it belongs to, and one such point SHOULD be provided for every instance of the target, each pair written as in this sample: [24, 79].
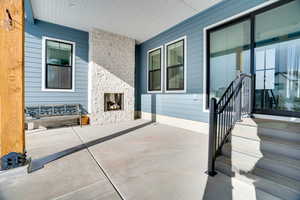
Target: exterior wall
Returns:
[112, 70]
[190, 104]
[33, 64]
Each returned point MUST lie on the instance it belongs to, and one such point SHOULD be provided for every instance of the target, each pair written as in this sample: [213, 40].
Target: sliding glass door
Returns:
[277, 59]
[265, 43]
[229, 55]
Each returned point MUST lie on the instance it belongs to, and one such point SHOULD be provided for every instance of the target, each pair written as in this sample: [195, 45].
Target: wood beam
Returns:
[12, 137]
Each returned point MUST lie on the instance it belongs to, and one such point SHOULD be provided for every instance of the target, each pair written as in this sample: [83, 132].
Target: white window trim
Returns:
[44, 65]
[90, 73]
[161, 69]
[205, 41]
[184, 38]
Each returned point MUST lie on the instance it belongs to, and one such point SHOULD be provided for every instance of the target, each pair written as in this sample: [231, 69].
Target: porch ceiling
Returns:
[137, 19]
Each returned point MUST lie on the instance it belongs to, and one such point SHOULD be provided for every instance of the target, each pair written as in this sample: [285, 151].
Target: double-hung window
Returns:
[175, 66]
[59, 65]
[154, 70]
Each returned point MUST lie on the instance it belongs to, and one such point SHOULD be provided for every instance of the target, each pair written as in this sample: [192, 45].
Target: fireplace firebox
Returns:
[113, 101]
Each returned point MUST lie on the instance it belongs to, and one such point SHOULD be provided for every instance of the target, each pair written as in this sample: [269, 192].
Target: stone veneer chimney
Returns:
[112, 65]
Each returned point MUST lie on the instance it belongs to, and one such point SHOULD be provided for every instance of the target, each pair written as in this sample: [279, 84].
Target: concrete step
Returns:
[278, 164]
[239, 190]
[255, 133]
[279, 186]
[268, 145]
[261, 195]
[289, 126]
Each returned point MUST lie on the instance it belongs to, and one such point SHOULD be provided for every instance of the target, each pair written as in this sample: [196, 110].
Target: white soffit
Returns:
[137, 19]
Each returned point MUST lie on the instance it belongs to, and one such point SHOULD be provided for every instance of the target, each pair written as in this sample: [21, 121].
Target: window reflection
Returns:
[277, 58]
[229, 56]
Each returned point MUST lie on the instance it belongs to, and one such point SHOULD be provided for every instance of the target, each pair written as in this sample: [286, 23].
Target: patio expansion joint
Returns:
[99, 165]
[73, 192]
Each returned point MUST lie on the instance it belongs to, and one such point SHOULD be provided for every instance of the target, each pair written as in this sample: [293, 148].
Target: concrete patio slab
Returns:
[96, 191]
[58, 178]
[132, 160]
[50, 141]
[155, 162]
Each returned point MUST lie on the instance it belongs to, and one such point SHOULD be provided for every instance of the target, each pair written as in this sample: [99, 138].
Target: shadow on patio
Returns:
[219, 187]
[40, 162]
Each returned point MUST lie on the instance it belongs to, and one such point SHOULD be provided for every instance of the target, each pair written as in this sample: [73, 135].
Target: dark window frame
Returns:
[249, 16]
[155, 70]
[175, 66]
[67, 66]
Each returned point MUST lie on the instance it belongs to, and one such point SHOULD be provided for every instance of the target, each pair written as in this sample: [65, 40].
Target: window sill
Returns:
[176, 91]
[154, 92]
[58, 90]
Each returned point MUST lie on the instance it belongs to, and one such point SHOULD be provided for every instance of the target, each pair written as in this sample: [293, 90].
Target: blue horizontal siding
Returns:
[184, 105]
[33, 64]
[175, 105]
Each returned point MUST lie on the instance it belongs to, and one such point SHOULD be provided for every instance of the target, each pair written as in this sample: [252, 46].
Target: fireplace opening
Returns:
[113, 101]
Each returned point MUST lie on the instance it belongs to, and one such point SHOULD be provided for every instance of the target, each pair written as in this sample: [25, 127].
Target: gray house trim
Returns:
[29, 12]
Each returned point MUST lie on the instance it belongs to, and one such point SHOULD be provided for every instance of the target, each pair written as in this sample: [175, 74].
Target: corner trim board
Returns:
[90, 73]
[29, 12]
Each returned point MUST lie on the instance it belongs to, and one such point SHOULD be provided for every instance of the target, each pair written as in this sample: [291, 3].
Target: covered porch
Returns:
[130, 160]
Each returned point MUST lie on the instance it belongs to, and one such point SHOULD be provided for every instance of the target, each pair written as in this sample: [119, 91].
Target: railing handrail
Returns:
[235, 101]
[237, 88]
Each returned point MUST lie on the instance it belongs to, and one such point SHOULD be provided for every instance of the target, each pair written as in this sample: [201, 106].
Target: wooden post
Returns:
[12, 137]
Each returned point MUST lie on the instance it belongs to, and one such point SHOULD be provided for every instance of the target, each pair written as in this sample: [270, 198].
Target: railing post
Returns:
[252, 94]
[212, 137]
[239, 114]
[249, 88]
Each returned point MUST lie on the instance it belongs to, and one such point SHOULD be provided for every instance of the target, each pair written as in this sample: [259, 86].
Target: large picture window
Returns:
[59, 66]
[265, 43]
[154, 70]
[229, 56]
[175, 66]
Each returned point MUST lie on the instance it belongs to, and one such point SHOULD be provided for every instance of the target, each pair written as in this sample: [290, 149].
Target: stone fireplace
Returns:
[111, 68]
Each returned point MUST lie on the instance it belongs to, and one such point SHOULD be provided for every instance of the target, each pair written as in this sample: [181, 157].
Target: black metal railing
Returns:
[235, 103]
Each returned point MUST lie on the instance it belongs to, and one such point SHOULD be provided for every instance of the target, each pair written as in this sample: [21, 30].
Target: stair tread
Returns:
[266, 154]
[255, 175]
[290, 162]
[239, 189]
[261, 195]
[261, 129]
[256, 133]
[282, 165]
[271, 124]
[291, 183]
[291, 144]
[280, 141]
